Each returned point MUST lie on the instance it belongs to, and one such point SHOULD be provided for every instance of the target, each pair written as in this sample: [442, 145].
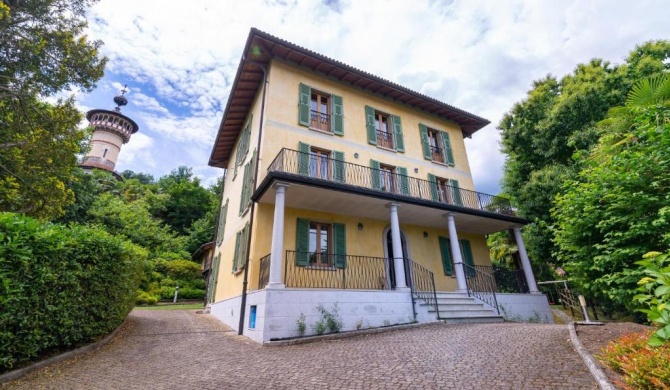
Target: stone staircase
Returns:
[459, 308]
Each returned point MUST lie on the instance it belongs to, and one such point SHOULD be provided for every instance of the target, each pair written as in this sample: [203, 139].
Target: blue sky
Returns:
[179, 59]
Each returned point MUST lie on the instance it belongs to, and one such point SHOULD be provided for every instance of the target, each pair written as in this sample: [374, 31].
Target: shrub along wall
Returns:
[61, 286]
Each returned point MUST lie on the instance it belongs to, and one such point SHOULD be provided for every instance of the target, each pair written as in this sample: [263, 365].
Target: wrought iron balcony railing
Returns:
[300, 163]
[319, 120]
[322, 270]
[385, 139]
[264, 272]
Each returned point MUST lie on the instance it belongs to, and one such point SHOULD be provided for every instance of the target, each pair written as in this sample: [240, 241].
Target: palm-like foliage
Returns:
[650, 91]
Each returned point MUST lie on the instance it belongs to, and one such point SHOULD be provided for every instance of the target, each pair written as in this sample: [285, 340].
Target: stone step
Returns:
[467, 313]
[474, 320]
[455, 300]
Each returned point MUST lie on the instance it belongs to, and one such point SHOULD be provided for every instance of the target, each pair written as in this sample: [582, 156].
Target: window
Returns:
[104, 154]
[384, 130]
[247, 184]
[384, 134]
[243, 144]
[320, 163]
[320, 244]
[466, 253]
[436, 145]
[389, 178]
[445, 190]
[320, 111]
[240, 256]
[222, 223]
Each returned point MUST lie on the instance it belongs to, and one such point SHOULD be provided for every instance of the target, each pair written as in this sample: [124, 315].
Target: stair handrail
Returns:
[481, 285]
[422, 285]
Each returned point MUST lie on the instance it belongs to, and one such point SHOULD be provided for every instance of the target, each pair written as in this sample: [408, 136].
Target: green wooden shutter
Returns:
[222, 223]
[303, 158]
[370, 125]
[338, 167]
[456, 191]
[237, 250]
[398, 140]
[445, 250]
[448, 153]
[340, 239]
[375, 176]
[213, 279]
[424, 142]
[467, 257]
[245, 247]
[433, 187]
[338, 115]
[302, 242]
[303, 105]
[245, 183]
[403, 180]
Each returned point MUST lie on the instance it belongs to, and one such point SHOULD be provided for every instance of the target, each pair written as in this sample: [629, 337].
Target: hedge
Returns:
[61, 286]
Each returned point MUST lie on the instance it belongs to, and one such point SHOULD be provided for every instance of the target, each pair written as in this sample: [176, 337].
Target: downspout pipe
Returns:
[245, 281]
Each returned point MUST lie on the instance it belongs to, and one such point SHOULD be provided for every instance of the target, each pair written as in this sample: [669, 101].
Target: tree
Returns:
[545, 135]
[617, 209]
[42, 51]
[187, 201]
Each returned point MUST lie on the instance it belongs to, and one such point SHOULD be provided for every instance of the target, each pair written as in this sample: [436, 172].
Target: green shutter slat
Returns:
[222, 223]
[245, 244]
[445, 251]
[237, 249]
[338, 167]
[456, 191]
[403, 180]
[448, 153]
[245, 181]
[375, 176]
[303, 105]
[398, 140]
[467, 257]
[370, 125]
[302, 242]
[433, 187]
[338, 115]
[303, 158]
[424, 142]
[213, 279]
[340, 233]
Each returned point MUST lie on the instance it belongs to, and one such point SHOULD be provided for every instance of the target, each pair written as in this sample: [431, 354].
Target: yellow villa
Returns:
[348, 191]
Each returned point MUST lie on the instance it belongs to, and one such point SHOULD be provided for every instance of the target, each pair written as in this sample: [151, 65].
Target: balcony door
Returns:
[388, 245]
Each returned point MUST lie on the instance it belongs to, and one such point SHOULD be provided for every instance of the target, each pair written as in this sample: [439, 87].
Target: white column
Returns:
[277, 250]
[398, 260]
[456, 254]
[525, 262]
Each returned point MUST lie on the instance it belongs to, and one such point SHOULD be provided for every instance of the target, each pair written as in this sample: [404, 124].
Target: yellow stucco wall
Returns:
[282, 123]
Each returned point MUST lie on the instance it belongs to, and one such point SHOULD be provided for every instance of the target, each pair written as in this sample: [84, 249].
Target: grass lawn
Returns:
[190, 306]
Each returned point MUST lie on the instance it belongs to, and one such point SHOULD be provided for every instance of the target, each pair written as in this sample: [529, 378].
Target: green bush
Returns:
[655, 296]
[144, 298]
[61, 287]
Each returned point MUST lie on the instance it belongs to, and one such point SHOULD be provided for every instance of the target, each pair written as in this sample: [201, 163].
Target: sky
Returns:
[179, 59]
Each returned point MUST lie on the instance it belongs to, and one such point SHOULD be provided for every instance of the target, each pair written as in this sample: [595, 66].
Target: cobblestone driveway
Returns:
[185, 350]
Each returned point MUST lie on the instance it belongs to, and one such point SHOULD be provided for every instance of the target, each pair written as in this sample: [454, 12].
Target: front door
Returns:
[389, 259]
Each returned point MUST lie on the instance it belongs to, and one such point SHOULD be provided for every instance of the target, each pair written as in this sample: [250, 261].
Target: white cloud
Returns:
[480, 56]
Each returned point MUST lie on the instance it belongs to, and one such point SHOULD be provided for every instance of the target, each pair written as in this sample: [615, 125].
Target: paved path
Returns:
[185, 350]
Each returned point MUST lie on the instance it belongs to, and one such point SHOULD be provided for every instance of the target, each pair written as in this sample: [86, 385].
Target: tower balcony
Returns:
[333, 185]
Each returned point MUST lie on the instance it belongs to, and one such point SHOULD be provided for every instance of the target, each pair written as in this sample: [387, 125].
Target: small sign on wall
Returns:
[252, 317]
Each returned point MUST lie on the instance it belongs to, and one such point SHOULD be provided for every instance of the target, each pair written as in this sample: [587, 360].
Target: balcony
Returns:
[385, 139]
[353, 176]
[319, 121]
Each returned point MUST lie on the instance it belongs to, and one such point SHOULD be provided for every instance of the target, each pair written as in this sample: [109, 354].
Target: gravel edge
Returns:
[20, 372]
[590, 362]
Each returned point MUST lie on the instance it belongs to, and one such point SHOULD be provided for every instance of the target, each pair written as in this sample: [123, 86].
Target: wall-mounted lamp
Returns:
[416, 170]
[355, 155]
[425, 234]
[360, 226]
